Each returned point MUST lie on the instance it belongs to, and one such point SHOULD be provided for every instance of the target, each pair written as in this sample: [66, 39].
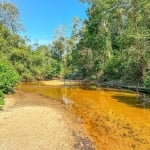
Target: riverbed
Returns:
[113, 119]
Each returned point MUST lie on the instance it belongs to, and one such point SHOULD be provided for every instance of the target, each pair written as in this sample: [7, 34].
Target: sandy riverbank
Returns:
[30, 121]
[60, 82]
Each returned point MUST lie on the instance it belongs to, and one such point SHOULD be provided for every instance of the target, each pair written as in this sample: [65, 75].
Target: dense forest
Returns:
[111, 46]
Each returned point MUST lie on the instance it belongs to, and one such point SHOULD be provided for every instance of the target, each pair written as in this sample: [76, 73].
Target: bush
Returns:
[1, 97]
[27, 76]
[53, 70]
[147, 81]
[8, 77]
[113, 69]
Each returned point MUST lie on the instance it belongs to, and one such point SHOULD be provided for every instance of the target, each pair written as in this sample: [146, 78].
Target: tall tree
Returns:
[117, 32]
[10, 17]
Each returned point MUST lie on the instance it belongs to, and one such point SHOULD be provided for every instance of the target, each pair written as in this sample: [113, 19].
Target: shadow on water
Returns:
[131, 101]
[95, 87]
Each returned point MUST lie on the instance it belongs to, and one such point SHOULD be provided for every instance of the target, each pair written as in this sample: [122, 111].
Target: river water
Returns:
[112, 118]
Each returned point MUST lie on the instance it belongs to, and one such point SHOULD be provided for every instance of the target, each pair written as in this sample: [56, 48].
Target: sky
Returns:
[42, 17]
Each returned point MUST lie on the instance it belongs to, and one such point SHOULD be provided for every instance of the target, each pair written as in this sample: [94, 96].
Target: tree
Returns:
[117, 32]
[9, 16]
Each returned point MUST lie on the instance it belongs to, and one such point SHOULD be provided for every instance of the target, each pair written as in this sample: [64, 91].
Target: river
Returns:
[112, 118]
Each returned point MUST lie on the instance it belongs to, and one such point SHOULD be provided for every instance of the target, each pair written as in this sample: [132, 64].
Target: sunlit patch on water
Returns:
[113, 118]
[67, 101]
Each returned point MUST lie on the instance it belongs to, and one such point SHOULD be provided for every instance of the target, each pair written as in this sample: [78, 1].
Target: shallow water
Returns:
[112, 118]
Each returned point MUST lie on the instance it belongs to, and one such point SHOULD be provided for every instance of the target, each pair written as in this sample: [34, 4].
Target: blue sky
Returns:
[41, 17]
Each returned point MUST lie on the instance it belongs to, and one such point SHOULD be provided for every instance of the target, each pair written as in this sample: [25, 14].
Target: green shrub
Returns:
[8, 77]
[1, 98]
[147, 81]
[113, 69]
[27, 76]
[53, 70]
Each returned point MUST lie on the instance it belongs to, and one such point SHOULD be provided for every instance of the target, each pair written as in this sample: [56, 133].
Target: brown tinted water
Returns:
[112, 118]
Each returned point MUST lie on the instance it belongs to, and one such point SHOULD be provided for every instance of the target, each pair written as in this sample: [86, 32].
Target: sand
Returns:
[29, 122]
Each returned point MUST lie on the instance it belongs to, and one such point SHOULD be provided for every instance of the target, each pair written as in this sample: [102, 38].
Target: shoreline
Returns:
[21, 103]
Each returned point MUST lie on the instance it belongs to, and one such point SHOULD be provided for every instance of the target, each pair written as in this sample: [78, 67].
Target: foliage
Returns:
[111, 46]
[52, 70]
[1, 98]
[9, 16]
[117, 34]
[8, 77]
[113, 69]
[147, 81]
